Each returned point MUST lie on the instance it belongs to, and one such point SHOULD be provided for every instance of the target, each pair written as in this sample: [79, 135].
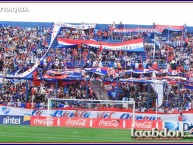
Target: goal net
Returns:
[90, 109]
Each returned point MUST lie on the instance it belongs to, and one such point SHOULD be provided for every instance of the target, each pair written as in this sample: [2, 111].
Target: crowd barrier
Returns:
[94, 122]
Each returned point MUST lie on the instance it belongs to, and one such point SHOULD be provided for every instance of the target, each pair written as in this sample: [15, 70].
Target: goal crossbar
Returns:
[92, 102]
[60, 99]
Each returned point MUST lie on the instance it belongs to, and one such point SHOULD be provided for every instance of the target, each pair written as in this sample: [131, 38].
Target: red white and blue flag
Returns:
[188, 86]
[131, 45]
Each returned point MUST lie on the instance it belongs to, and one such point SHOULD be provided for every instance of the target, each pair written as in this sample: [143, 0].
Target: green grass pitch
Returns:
[14, 133]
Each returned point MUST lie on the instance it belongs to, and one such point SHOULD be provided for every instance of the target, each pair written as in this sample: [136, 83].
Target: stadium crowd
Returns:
[22, 47]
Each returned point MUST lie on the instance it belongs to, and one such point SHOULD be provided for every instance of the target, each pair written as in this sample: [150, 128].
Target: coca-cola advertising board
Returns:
[145, 124]
[74, 122]
[95, 123]
[127, 124]
[42, 121]
[108, 123]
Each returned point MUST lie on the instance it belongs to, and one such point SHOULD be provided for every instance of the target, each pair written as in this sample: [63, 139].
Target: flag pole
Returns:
[154, 47]
[156, 106]
[156, 114]
[154, 42]
[168, 35]
[156, 102]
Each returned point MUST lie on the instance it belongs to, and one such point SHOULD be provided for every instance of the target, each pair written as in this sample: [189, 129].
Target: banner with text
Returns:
[14, 120]
[94, 123]
[113, 114]
[139, 30]
[170, 27]
[81, 26]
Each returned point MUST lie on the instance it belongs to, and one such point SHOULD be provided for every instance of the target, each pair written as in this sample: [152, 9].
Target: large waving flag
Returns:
[131, 45]
[159, 89]
[55, 31]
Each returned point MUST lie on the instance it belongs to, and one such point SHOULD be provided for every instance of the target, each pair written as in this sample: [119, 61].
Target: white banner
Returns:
[188, 117]
[82, 26]
[158, 87]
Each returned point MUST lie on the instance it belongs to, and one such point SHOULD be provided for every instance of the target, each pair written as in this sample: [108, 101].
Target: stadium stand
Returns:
[168, 53]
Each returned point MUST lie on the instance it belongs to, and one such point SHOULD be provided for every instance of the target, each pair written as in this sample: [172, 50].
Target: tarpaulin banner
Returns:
[130, 45]
[170, 27]
[139, 30]
[101, 113]
[103, 71]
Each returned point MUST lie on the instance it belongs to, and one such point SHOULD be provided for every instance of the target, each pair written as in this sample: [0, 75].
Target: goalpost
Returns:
[91, 106]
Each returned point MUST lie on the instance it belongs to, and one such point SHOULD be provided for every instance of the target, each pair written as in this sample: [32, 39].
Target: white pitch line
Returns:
[4, 133]
[66, 129]
[67, 137]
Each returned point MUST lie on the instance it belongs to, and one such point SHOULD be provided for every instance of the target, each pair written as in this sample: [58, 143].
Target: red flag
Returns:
[80, 45]
[100, 48]
[120, 53]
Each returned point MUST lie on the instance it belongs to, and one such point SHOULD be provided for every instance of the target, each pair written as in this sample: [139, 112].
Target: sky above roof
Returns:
[101, 13]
